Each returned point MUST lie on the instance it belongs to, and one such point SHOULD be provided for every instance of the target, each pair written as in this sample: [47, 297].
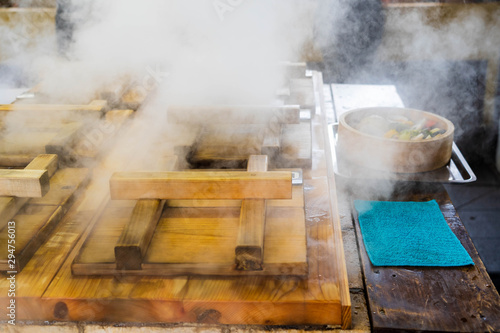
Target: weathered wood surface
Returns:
[135, 237]
[425, 298]
[20, 147]
[48, 290]
[225, 146]
[201, 185]
[24, 183]
[249, 250]
[250, 300]
[47, 162]
[96, 106]
[37, 219]
[9, 206]
[288, 114]
[271, 145]
[296, 146]
[302, 93]
[198, 241]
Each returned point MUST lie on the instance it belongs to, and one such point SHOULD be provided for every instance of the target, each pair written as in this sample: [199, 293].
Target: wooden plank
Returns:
[271, 145]
[134, 239]
[24, 183]
[297, 200]
[9, 206]
[16, 160]
[296, 146]
[63, 143]
[288, 114]
[201, 185]
[453, 299]
[321, 142]
[98, 107]
[226, 146]
[302, 93]
[198, 241]
[35, 222]
[47, 162]
[249, 252]
[65, 185]
[33, 225]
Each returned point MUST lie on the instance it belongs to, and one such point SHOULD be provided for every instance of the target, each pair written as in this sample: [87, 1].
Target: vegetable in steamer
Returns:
[400, 127]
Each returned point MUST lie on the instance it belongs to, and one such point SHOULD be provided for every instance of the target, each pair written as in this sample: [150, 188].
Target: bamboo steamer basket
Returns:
[394, 155]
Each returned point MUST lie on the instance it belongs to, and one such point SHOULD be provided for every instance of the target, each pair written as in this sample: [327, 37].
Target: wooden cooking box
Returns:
[248, 236]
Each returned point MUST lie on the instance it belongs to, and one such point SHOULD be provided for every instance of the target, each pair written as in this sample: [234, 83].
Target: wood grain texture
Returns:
[24, 183]
[16, 160]
[249, 252]
[431, 298]
[322, 143]
[265, 300]
[37, 219]
[198, 241]
[201, 185]
[64, 142]
[47, 162]
[288, 114]
[135, 237]
[302, 93]
[98, 107]
[271, 144]
[9, 206]
[65, 185]
[296, 146]
[225, 146]
[33, 226]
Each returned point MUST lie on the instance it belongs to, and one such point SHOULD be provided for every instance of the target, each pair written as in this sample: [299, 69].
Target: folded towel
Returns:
[408, 234]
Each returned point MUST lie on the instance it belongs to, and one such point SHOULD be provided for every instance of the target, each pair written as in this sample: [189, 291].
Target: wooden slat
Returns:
[24, 183]
[98, 107]
[226, 146]
[302, 93]
[249, 252]
[201, 185]
[36, 220]
[16, 160]
[33, 226]
[271, 145]
[296, 146]
[47, 162]
[288, 114]
[63, 143]
[134, 239]
[9, 206]
[198, 241]
[321, 142]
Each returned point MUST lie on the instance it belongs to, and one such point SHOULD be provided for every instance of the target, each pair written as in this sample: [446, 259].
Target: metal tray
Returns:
[456, 171]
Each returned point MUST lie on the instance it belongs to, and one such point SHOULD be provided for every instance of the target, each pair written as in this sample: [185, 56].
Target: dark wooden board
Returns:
[425, 298]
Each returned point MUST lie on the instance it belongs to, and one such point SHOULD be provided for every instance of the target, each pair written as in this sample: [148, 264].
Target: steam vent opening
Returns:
[241, 165]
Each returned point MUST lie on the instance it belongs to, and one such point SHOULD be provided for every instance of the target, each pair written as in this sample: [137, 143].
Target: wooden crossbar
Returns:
[287, 114]
[201, 185]
[24, 183]
[10, 205]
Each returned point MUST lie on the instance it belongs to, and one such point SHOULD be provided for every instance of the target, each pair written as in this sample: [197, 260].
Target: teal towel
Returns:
[408, 234]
